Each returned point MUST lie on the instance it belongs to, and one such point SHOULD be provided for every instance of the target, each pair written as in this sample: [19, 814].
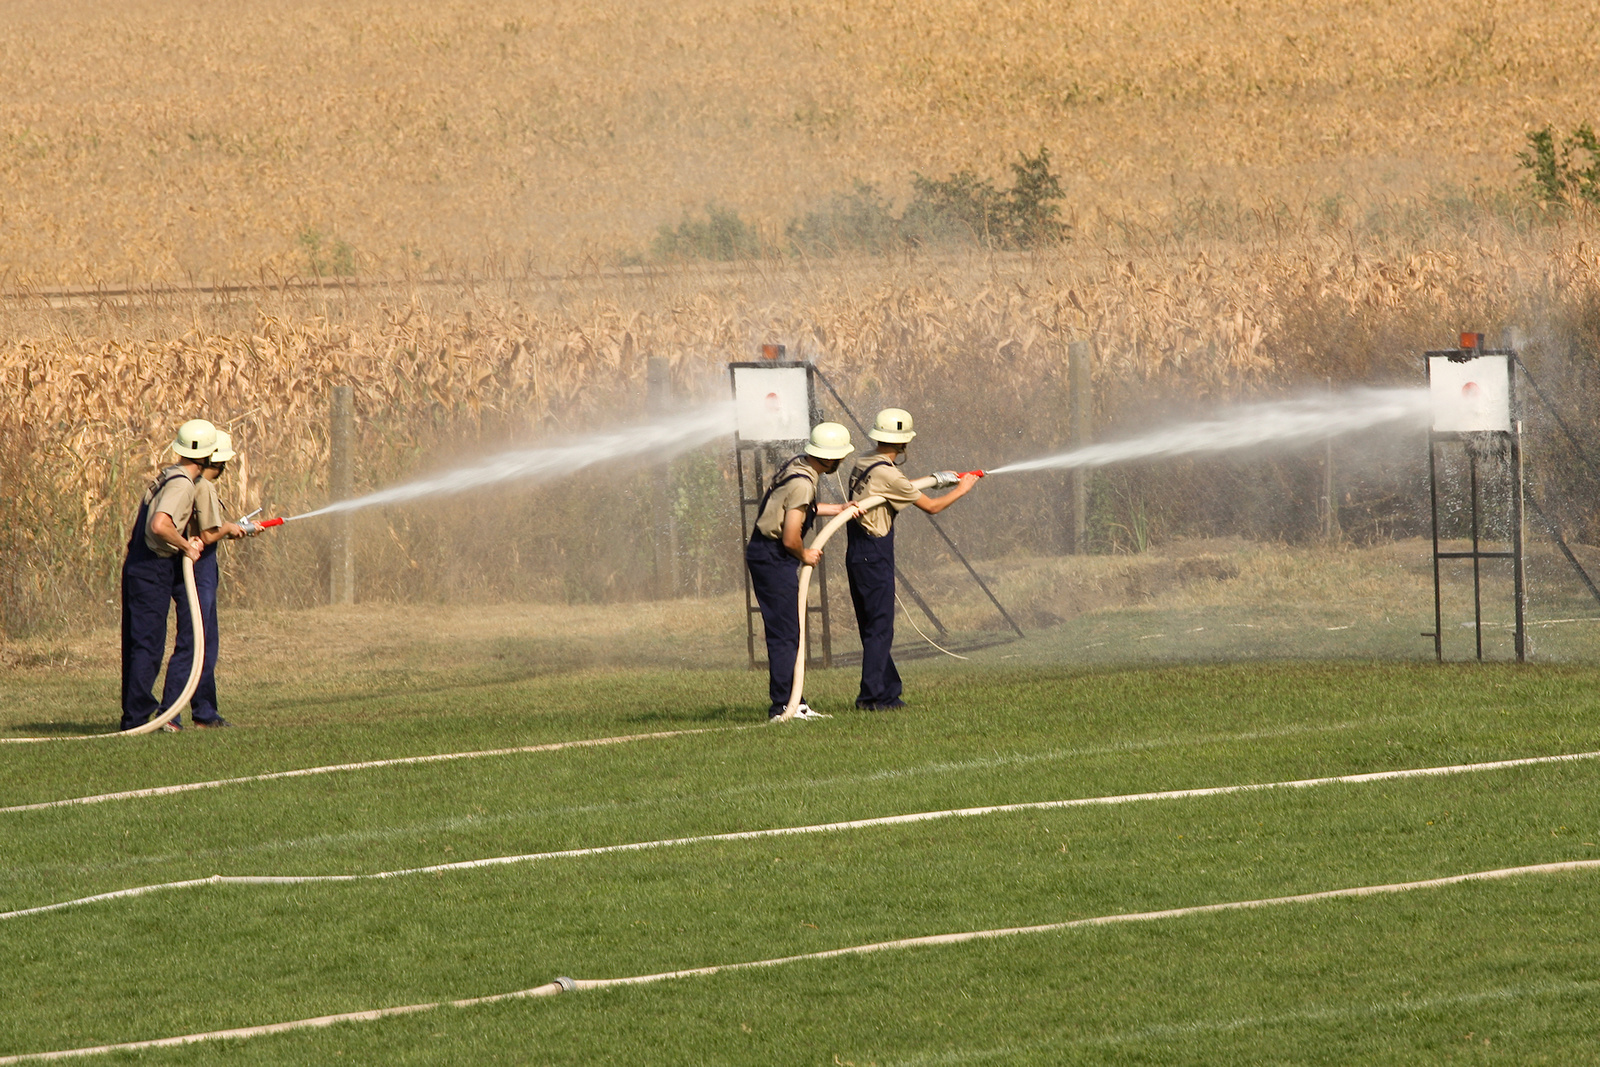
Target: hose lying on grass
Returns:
[161, 718]
[563, 984]
[816, 828]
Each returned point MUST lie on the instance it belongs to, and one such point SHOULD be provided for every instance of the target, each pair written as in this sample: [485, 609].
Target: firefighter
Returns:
[869, 559]
[149, 567]
[209, 523]
[777, 549]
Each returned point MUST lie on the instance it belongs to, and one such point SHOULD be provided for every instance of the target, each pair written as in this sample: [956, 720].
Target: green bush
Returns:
[961, 209]
[328, 257]
[860, 220]
[722, 235]
[964, 208]
[1564, 172]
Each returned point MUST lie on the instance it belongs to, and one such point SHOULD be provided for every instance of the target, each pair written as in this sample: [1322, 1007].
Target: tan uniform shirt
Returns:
[885, 480]
[208, 510]
[798, 492]
[175, 500]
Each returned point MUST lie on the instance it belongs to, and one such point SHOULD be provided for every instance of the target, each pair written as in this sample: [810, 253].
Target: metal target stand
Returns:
[762, 445]
[1471, 409]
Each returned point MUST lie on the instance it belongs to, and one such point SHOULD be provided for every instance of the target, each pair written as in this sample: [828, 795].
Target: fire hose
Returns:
[172, 711]
[941, 480]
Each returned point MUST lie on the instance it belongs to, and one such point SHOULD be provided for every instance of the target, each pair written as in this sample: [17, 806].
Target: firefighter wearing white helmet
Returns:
[209, 522]
[869, 559]
[150, 569]
[777, 549]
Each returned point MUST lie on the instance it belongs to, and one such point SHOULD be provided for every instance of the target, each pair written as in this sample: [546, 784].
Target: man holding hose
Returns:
[869, 561]
[777, 549]
[209, 523]
[147, 570]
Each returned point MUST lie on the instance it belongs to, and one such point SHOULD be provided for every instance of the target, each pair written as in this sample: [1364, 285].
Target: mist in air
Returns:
[1300, 421]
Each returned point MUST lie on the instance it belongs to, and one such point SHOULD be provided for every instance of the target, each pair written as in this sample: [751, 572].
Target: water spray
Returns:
[1305, 419]
[660, 439]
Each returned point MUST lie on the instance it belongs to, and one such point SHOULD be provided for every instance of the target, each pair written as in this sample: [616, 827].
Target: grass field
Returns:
[1483, 972]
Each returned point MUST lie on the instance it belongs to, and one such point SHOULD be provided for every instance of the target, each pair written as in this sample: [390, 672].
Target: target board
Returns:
[1471, 395]
[772, 403]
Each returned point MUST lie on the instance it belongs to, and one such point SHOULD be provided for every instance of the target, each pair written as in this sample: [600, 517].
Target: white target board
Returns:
[1470, 396]
[772, 403]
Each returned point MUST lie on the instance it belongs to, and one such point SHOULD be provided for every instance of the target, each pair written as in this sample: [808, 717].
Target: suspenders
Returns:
[861, 475]
[783, 478]
[142, 519]
[161, 483]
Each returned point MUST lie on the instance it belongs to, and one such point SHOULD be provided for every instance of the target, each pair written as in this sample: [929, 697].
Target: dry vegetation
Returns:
[1263, 195]
[160, 140]
[977, 347]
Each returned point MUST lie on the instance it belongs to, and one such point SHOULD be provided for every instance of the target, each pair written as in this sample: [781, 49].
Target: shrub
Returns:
[966, 208]
[327, 256]
[1564, 172]
[961, 209]
[721, 235]
[860, 220]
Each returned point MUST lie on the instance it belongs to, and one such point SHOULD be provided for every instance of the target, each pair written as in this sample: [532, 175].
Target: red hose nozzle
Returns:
[963, 474]
[264, 523]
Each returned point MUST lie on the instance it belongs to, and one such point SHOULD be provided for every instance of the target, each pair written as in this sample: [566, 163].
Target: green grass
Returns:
[1426, 977]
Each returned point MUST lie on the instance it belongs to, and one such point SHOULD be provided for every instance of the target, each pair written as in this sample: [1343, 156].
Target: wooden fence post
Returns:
[341, 486]
[669, 576]
[1079, 356]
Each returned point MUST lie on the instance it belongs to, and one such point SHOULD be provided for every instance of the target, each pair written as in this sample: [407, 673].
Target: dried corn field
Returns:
[154, 140]
[975, 345]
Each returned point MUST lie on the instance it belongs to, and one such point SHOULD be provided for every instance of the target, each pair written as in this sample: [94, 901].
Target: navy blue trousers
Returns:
[203, 705]
[869, 561]
[147, 581]
[775, 577]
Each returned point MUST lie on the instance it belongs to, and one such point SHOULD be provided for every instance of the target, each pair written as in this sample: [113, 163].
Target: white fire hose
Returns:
[941, 480]
[172, 711]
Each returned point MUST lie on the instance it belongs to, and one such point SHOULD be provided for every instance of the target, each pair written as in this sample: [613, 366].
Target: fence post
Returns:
[341, 485]
[1330, 501]
[1080, 403]
[669, 578]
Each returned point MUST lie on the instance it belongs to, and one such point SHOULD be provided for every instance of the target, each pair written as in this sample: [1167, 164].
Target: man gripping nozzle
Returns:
[869, 559]
[209, 523]
[150, 569]
[777, 549]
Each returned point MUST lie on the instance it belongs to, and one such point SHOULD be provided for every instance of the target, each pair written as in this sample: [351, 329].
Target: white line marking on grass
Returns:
[189, 787]
[565, 984]
[464, 822]
[979, 764]
[786, 831]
